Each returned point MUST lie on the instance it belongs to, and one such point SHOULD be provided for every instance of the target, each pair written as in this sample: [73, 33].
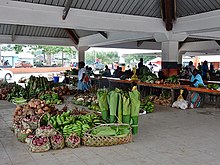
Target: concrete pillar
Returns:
[180, 58]
[170, 51]
[81, 53]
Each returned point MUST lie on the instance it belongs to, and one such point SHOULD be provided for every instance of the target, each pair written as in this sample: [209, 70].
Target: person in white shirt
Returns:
[82, 85]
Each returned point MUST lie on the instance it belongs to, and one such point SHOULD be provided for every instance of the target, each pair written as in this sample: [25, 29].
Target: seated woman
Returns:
[196, 79]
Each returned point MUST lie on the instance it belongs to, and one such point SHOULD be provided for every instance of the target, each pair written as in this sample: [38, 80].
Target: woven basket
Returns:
[22, 136]
[16, 129]
[28, 139]
[98, 141]
[29, 125]
[37, 149]
[45, 132]
[70, 144]
[56, 146]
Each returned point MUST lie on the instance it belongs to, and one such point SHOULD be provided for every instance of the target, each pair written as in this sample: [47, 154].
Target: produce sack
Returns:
[23, 134]
[46, 131]
[195, 99]
[135, 107]
[102, 95]
[73, 141]
[57, 141]
[126, 118]
[39, 144]
[182, 104]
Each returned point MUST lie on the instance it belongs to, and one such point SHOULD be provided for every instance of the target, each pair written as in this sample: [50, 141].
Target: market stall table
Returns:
[187, 82]
[172, 87]
[117, 83]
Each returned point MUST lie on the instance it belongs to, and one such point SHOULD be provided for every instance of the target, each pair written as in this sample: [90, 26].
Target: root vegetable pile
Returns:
[74, 139]
[57, 138]
[61, 90]
[39, 141]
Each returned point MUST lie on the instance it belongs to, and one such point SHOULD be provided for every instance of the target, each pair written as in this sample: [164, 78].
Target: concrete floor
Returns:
[167, 136]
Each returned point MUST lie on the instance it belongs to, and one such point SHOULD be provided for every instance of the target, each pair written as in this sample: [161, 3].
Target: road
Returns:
[27, 75]
[42, 71]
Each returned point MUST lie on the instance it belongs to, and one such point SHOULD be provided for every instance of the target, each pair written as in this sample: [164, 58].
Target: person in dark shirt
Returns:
[212, 70]
[140, 64]
[107, 72]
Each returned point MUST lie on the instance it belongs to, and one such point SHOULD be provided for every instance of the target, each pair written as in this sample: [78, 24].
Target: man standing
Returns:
[140, 64]
[191, 68]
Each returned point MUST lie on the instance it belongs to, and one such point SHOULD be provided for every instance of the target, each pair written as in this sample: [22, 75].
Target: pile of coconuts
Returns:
[35, 107]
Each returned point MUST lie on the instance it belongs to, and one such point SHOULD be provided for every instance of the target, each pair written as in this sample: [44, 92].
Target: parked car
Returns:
[6, 74]
[99, 66]
[23, 64]
[38, 64]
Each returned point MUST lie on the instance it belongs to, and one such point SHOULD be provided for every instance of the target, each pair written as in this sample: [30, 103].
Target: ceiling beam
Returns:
[66, 9]
[133, 45]
[14, 27]
[113, 38]
[73, 36]
[16, 12]
[6, 39]
[139, 43]
[104, 34]
[168, 11]
[199, 23]
[199, 46]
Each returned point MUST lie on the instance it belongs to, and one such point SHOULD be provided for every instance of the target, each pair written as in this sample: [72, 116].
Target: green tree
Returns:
[16, 48]
[136, 57]
[48, 51]
[105, 57]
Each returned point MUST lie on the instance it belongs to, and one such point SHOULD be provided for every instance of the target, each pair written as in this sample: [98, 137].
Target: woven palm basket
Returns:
[98, 141]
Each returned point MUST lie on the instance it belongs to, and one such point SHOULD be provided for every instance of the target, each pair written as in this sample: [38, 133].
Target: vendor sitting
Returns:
[196, 79]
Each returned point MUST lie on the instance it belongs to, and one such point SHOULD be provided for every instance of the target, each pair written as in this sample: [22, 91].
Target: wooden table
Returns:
[172, 87]
[115, 82]
[187, 81]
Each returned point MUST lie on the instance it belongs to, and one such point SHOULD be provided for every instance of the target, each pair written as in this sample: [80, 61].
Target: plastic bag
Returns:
[182, 104]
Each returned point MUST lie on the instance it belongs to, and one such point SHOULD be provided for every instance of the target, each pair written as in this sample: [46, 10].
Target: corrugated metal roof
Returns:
[38, 31]
[35, 31]
[191, 7]
[150, 8]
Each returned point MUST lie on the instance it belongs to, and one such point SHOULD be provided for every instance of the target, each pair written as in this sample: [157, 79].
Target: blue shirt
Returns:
[198, 77]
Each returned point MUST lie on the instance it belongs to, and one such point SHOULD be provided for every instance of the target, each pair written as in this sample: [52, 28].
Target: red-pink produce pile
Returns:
[46, 127]
[74, 139]
[39, 141]
[57, 138]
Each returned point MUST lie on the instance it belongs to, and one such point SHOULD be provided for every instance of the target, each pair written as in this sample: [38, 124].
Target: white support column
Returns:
[170, 51]
[180, 58]
[81, 53]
